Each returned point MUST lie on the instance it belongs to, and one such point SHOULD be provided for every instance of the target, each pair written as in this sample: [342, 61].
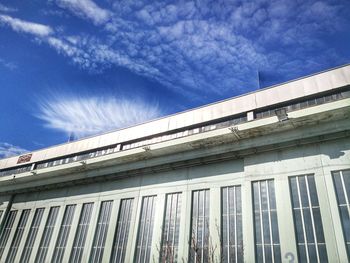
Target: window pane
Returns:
[145, 231]
[171, 226]
[7, 230]
[342, 188]
[232, 239]
[63, 234]
[80, 236]
[307, 221]
[101, 232]
[265, 222]
[18, 236]
[122, 231]
[47, 235]
[200, 227]
[28, 247]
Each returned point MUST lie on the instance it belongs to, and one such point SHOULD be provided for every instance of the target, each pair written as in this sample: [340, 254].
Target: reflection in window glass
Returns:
[342, 188]
[267, 243]
[46, 237]
[145, 233]
[28, 247]
[80, 236]
[101, 232]
[171, 226]
[18, 236]
[307, 219]
[122, 231]
[199, 250]
[232, 238]
[63, 234]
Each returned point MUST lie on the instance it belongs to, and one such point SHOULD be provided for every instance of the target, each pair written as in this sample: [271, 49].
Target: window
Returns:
[28, 247]
[307, 219]
[18, 236]
[1, 212]
[80, 236]
[171, 226]
[47, 234]
[122, 231]
[101, 232]
[63, 234]
[342, 189]
[145, 232]
[199, 250]
[7, 230]
[267, 243]
[232, 237]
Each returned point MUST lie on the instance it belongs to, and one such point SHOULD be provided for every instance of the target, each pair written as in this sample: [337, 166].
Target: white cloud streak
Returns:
[7, 64]
[92, 115]
[7, 9]
[9, 150]
[25, 26]
[86, 9]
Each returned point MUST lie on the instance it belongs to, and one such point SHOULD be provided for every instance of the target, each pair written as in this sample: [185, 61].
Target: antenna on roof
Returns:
[259, 77]
[71, 137]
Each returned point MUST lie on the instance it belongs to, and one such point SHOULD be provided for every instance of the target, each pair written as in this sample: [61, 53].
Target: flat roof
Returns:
[291, 90]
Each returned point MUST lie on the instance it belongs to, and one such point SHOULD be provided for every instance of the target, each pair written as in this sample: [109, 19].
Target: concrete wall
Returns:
[318, 159]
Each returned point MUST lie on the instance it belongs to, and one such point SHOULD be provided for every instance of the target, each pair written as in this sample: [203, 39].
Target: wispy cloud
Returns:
[25, 26]
[7, 9]
[84, 116]
[86, 9]
[8, 150]
[8, 64]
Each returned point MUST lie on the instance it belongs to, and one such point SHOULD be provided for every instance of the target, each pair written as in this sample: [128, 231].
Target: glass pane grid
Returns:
[7, 230]
[80, 236]
[18, 236]
[171, 226]
[199, 250]
[122, 231]
[145, 232]
[47, 234]
[28, 247]
[267, 244]
[341, 181]
[63, 234]
[307, 219]
[232, 237]
[101, 232]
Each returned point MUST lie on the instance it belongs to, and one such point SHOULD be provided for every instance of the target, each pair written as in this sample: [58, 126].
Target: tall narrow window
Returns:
[171, 226]
[122, 231]
[4, 235]
[342, 189]
[28, 247]
[267, 243]
[199, 250]
[80, 236]
[18, 236]
[1, 212]
[307, 219]
[63, 234]
[101, 232]
[145, 232]
[47, 235]
[232, 237]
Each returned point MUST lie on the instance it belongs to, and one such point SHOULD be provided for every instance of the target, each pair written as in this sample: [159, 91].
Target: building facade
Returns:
[263, 177]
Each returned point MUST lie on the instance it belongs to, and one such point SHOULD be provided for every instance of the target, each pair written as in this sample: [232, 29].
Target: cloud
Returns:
[9, 150]
[86, 9]
[7, 64]
[84, 116]
[7, 9]
[25, 26]
[200, 49]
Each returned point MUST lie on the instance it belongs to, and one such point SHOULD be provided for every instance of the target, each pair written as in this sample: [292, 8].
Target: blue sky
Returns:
[86, 67]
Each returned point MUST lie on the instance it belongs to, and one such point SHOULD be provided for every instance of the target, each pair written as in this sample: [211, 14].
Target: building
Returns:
[263, 177]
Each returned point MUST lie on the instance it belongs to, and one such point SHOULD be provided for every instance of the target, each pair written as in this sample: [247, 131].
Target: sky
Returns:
[76, 68]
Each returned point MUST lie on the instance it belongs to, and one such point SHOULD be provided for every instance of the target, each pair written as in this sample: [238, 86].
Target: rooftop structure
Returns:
[225, 181]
